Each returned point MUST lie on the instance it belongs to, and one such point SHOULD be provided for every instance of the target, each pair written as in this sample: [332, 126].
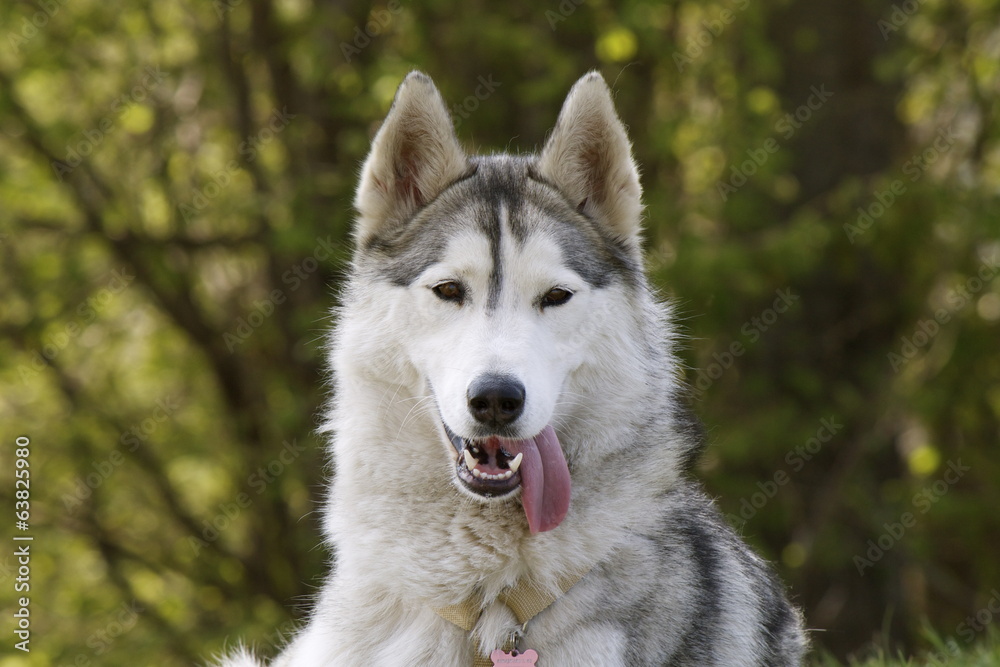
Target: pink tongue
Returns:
[545, 485]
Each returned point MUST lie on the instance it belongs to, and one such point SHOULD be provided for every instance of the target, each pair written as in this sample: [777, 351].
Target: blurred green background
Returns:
[821, 181]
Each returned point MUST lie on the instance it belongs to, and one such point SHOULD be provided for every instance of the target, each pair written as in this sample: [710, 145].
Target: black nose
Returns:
[496, 400]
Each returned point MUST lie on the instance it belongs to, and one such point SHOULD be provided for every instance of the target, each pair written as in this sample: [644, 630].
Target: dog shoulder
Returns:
[693, 590]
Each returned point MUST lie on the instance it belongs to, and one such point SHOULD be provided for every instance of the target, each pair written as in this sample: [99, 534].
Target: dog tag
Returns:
[515, 658]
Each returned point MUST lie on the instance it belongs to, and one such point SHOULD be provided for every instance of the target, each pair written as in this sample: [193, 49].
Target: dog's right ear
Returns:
[414, 156]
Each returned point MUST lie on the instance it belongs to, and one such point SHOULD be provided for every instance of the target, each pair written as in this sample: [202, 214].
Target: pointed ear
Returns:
[588, 158]
[414, 156]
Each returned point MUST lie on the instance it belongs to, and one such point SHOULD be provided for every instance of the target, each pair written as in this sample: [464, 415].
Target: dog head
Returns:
[496, 274]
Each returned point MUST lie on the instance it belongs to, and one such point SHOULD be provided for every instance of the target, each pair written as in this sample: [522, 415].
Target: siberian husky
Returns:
[509, 435]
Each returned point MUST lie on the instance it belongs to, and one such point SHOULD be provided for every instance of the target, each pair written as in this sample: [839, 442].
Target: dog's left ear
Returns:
[588, 158]
[414, 156]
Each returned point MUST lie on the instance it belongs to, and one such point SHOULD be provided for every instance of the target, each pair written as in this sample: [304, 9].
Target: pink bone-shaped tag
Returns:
[514, 658]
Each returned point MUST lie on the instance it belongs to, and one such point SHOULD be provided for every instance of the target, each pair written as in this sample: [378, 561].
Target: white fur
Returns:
[450, 346]
[407, 538]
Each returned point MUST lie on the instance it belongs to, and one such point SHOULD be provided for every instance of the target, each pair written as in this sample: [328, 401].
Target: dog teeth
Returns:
[470, 461]
[507, 474]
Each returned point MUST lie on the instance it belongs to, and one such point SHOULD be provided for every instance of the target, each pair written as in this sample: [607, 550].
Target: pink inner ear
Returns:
[406, 177]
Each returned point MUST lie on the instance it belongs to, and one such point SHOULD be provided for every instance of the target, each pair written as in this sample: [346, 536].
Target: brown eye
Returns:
[556, 296]
[449, 291]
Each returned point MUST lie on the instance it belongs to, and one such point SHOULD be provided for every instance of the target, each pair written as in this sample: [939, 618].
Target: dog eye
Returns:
[449, 291]
[556, 296]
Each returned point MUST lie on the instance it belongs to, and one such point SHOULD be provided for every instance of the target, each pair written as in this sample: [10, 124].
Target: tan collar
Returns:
[524, 599]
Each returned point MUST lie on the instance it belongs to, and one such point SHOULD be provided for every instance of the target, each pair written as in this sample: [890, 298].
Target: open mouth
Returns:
[495, 467]
[485, 466]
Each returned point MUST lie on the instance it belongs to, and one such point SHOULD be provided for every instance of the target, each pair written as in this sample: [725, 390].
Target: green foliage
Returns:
[942, 652]
[176, 178]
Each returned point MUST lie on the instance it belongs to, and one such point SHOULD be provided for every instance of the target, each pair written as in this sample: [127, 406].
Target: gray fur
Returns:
[668, 582]
[403, 252]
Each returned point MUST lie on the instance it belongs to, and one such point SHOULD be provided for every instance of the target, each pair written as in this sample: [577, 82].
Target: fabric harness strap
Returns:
[524, 599]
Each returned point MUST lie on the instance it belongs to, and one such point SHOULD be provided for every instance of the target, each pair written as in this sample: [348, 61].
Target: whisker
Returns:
[416, 408]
